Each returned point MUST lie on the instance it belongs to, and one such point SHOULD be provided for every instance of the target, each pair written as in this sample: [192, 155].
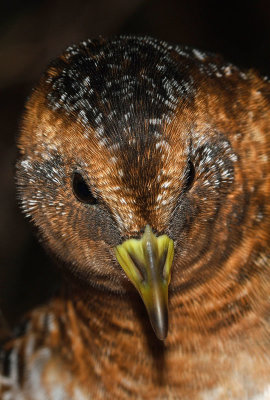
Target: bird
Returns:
[144, 166]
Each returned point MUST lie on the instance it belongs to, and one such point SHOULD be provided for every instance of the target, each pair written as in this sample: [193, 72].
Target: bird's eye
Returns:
[190, 175]
[81, 190]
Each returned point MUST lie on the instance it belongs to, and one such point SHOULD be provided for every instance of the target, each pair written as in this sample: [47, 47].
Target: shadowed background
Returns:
[33, 32]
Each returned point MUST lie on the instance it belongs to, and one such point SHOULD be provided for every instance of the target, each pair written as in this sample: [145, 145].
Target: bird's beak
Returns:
[147, 263]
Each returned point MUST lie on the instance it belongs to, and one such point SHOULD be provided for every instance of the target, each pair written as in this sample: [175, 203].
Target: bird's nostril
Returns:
[162, 262]
[140, 267]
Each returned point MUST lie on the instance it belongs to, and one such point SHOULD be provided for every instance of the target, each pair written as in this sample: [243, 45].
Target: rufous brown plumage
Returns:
[145, 168]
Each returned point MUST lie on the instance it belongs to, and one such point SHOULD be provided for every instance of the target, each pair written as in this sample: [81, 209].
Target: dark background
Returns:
[33, 32]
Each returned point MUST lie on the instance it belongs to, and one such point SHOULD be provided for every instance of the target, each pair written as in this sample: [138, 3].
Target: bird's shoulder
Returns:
[37, 362]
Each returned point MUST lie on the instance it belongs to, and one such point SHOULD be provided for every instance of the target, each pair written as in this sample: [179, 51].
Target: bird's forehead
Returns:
[139, 187]
[138, 178]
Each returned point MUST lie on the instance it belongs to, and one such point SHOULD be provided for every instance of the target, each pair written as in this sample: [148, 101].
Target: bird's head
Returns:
[125, 166]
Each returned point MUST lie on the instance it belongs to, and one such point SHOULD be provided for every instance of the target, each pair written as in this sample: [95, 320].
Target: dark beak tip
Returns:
[160, 327]
[161, 335]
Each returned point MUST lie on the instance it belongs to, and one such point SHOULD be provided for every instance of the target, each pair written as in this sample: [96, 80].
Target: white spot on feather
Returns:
[199, 55]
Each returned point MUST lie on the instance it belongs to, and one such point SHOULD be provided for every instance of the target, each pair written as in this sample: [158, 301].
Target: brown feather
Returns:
[134, 116]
